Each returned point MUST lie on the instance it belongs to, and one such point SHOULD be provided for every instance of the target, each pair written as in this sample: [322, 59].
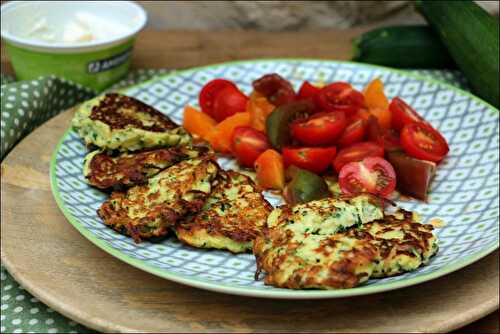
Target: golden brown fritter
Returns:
[148, 211]
[115, 121]
[295, 257]
[232, 217]
[121, 111]
[127, 169]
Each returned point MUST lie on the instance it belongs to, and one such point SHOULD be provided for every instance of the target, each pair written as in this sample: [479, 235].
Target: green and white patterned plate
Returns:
[464, 192]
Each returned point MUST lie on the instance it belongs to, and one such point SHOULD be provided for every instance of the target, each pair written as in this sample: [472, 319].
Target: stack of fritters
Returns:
[161, 182]
[341, 247]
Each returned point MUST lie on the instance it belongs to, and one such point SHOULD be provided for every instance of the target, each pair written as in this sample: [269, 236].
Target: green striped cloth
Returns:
[26, 105]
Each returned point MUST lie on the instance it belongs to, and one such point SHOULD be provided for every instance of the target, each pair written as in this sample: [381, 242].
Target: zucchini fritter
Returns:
[298, 254]
[115, 121]
[126, 169]
[148, 211]
[232, 217]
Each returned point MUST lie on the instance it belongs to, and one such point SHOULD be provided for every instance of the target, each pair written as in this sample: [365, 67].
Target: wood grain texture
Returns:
[60, 267]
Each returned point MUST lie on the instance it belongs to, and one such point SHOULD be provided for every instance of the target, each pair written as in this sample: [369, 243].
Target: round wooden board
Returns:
[61, 268]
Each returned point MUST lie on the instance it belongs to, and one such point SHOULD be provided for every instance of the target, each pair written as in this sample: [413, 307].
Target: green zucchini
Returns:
[402, 47]
[471, 36]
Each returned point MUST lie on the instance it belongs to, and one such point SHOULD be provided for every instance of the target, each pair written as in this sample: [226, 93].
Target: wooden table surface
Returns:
[182, 49]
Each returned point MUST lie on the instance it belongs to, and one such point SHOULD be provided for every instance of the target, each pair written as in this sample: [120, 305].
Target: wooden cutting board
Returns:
[55, 263]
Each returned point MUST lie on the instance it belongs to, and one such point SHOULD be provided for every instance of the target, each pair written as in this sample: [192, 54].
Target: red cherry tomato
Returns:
[388, 138]
[353, 133]
[277, 90]
[308, 91]
[402, 114]
[340, 96]
[314, 159]
[357, 152]
[319, 129]
[422, 141]
[374, 175]
[247, 144]
[228, 102]
[209, 92]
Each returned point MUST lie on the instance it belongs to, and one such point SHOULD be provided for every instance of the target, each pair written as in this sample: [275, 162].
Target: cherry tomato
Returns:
[314, 159]
[402, 114]
[247, 144]
[340, 96]
[388, 138]
[277, 90]
[319, 129]
[422, 141]
[383, 116]
[374, 175]
[357, 152]
[353, 133]
[209, 92]
[228, 102]
[309, 92]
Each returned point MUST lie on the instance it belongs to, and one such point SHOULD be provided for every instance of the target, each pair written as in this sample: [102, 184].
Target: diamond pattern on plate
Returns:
[464, 192]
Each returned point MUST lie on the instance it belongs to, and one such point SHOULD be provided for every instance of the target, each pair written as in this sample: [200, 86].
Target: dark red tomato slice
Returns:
[402, 114]
[319, 129]
[209, 92]
[340, 96]
[422, 141]
[353, 133]
[391, 140]
[388, 138]
[247, 144]
[308, 91]
[373, 175]
[277, 90]
[314, 159]
[228, 102]
[357, 152]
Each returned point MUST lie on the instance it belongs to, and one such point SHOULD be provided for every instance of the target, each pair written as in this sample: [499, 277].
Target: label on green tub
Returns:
[109, 63]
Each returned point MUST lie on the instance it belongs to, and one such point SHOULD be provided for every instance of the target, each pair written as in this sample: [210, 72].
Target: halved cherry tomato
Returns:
[220, 137]
[374, 95]
[277, 90]
[383, 116]
[314, 159]
[269, 170]
[259, 108]
[308, 91]
[209, 92]
[319, 129]
[357, 152]
[198, 123]
[402, 114]
[247, 144]
[228, 102]
[340, 96]
[387, 138]
[422, 141]
[374, 175]
[362, 113]
[353, 133]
